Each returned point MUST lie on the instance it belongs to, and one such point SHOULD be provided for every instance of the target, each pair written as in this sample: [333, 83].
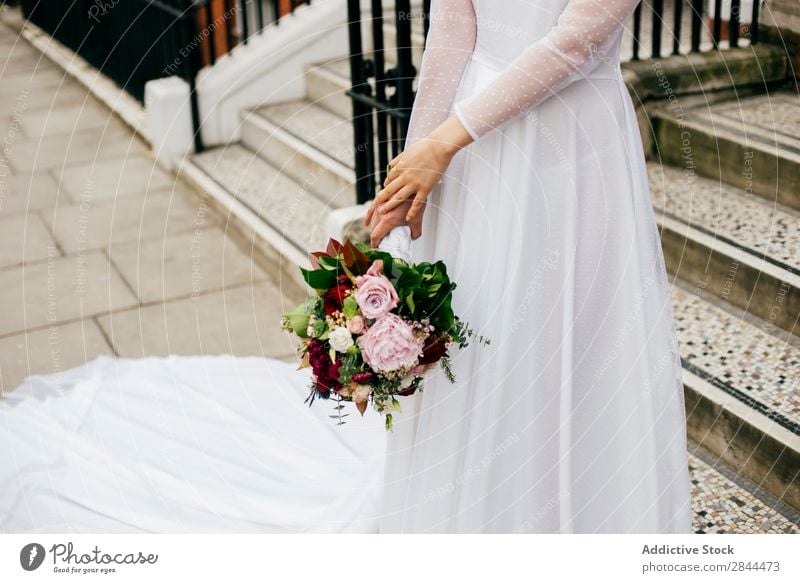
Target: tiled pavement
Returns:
[723, 502]
[101, 252]
[761, 364]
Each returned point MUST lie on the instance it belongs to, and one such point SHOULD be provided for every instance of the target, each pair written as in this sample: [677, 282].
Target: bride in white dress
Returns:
[525, 161]
[572, 420]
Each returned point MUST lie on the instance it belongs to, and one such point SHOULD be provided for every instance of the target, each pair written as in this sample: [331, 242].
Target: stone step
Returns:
[285, 219]
[307, 143]
[742, 390]
[724, 502]
[327, 84]
[730, 243]
[752, 143]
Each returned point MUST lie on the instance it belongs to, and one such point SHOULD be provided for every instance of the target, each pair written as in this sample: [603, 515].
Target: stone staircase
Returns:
[730, 222]
[293, 164]
[725, 188]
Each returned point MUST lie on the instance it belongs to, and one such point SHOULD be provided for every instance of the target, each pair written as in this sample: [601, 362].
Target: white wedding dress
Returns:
[571, 420]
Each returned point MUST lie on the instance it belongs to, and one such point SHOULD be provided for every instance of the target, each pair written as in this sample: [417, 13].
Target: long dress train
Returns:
[184, 444]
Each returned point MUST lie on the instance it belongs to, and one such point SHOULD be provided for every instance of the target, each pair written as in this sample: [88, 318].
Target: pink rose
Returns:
[389, 344]
[355, 325]
[375, 294]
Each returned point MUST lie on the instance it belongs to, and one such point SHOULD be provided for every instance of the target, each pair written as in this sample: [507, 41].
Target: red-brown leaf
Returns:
[315, 258]
[334, 247]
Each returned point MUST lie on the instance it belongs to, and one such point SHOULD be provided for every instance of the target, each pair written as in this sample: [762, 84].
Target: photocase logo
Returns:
[31, 556]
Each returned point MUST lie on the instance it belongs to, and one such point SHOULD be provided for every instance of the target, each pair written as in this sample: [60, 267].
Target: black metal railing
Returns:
[136, 41]
[691, 16]
[382, 94]
[382, 79]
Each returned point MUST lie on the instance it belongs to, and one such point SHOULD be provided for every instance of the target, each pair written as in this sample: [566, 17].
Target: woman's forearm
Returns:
[451, 136]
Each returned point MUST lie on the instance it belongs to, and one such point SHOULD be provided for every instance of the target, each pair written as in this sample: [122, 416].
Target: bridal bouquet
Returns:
[374, 326]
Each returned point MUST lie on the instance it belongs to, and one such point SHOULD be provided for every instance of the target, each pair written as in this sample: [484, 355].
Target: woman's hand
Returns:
[417, 170]
[381, 224]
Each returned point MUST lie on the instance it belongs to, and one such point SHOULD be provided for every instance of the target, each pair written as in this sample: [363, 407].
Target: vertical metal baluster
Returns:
[677, 26]
[274, 9]
[362, 114]
[245, 24]
[733, 23]
[637, 31]
[379, 55]
[716, 32]
[189, 26]
[658, 23]
[230, 23]
[405, 68]
[754, 22]
[212, 42]
[260, 15]
[697, 24]
[426, 15]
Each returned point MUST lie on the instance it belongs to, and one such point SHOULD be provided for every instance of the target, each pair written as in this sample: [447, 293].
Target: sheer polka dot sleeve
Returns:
[576, 45]
[449, 45]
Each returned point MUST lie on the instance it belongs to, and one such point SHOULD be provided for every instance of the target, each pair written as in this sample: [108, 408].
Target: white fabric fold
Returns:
[398, 243]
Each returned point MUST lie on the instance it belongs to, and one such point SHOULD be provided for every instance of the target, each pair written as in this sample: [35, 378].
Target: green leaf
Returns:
[330, 263]
[350, 306]
[389, 422]
[410, 302]
[319, 279]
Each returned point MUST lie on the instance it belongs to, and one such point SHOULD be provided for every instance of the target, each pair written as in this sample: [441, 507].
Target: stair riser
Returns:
[754, 454]
[750, 168]
[754, 291]
[328, 91]
[333, 186]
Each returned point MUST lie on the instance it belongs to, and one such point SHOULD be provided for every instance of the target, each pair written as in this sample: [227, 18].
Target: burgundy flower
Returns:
[333, 299]
[433, 351]
[363, 378]
[326, 373]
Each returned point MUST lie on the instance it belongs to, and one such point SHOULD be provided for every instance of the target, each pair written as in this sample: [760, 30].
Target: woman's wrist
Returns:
[451, 136]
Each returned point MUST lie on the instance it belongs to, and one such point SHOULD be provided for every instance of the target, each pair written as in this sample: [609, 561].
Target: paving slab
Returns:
[33, 80]
[244, 321]
[21, 58]
[49, 350]
[183, 265]
[20, 193]
[69, 93]
[108, 178]
[96, 222]
[24, 238]
[60, 290]
[68, 119]
[64, 150]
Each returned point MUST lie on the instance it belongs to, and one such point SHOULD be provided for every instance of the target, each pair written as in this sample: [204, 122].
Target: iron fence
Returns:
[382, 79]
[136, 41]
